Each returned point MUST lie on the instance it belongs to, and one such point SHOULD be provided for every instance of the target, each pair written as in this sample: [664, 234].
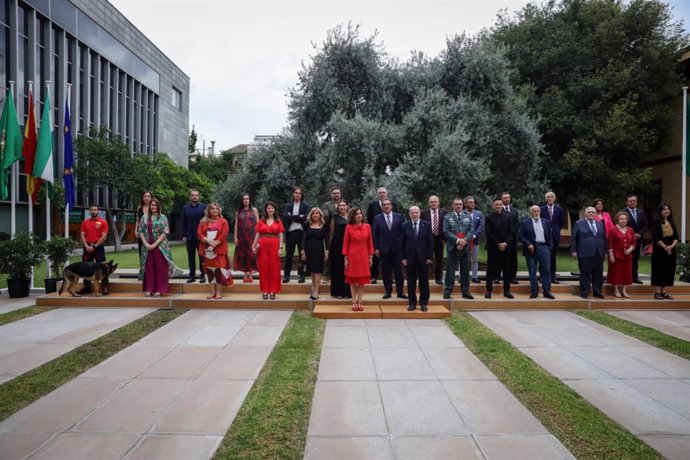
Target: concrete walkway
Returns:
[172, 395]
[397, 389]
[671, 322]
[645, 389]
[7, 305]
[33, 341]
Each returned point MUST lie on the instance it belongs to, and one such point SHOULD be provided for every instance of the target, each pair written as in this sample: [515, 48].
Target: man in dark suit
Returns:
[417, 251]
[477, 230]
[294, 216]
[588, 245]
[638, 221]
[535, 236]
[434, 215]
[375, 208]
[498, 228]
[554, 213]
[512, 213]
[387, 230]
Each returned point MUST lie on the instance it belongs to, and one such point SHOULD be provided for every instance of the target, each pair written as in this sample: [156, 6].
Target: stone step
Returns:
[376, 311]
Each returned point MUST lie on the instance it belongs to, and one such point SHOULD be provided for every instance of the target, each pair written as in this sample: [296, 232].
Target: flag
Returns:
[29, 151]
[10, 141]
[68, 177]
[43, 164]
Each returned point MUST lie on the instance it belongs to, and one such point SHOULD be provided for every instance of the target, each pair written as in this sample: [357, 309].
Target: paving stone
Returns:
[128, 363]
[270, 318]
[675, 323]
[346, 364]
[214, 316]
[617, 363]
[345, 337]
[169, 336]
[564, 364]
[402, 364]
[668, 363]
[370, 448]
[390, 337]
[19, 445]
[671, 447]
[346, 322]
[237, 363]
[31, 357]
[420, 409]
[204, 406]
[456, 364]
[182, 363]
[672, 393]
[135, 407]
[487, 407]
[527, 447]
[175, 447]
[347, 409]
[414, 448]
[435, 337]
[87, 446]
[212, 336]
[257, 336]
[380, 322]
[425, 323]
[524, 337]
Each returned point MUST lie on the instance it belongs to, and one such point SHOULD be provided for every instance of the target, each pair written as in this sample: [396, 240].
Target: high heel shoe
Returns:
[359, 306]
[354, 306]
[667, 296]
[659, 296]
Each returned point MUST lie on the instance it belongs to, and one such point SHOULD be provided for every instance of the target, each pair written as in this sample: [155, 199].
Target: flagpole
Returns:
[69, 104]
[684, 171]
[31, 199]
[13, 196]
[46, 190]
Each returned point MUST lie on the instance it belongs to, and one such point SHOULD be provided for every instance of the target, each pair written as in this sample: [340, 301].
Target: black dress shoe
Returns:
[447, 296]
[301, 279]
[476, 280]
[514, 281]
[190, 280]
[487, 295]
[508, 295]
[387, 295]
[637, 281]
[286, 280]
[402, 296]
[424, 308]
[555, 282]
[548, 295]
[467, 295]
[439, 282]
[105, 292]
[202, 280]
[411, 308]
[583, 296]
[373, 281]
[534, 296]
[599, 296]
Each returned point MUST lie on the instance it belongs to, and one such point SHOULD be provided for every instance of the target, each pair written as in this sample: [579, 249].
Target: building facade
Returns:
[119, 79]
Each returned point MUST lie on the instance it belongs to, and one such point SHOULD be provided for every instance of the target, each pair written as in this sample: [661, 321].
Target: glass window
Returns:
[64, 13]
[176, 98]
[4, 13]
[87, 30]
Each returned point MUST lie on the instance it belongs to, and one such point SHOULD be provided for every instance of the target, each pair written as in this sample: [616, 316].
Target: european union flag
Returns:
[68, 176]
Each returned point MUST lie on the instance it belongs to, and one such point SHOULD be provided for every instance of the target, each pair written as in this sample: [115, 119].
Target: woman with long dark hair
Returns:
[157, 266]
[665, 239]
[143, 208]
[268, 242]
[339, 288]
[246, 218]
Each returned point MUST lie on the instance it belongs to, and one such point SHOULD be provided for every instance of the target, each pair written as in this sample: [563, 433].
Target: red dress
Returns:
[620, 272]
[268, 258]
[358, 245]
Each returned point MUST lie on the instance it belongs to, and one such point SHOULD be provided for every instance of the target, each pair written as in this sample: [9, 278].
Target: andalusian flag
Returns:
[43, 164]
[10, 141]
[29, 151]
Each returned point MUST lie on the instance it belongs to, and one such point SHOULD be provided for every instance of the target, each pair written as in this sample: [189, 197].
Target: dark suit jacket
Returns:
[641, 225]
[498, 229]
[557, 222]
[527, 235]
[585, 243]
[417, 249]
[374, 210]
[385, 240]
[426, 216]
[514, 221]
[287, 217]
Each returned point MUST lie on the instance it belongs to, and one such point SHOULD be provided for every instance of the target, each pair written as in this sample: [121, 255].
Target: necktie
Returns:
[634, 214]
[434, 224]
[550, 212]
[388, 221]
[415, 229]
[593, 227]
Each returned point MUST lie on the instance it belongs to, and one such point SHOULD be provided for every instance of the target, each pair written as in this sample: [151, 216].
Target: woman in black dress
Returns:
[665, 239]
[339, 288]
[314, 250]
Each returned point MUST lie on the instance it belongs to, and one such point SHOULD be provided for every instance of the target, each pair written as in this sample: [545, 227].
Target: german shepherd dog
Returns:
[92, 271]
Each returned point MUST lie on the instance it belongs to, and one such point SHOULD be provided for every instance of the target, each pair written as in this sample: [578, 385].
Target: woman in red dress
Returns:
[268, 243]
[358, 249]
[213, 233]
[621, 244]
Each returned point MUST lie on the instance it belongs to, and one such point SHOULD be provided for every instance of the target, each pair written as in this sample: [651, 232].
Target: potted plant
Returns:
[17, 257]
[58, 250]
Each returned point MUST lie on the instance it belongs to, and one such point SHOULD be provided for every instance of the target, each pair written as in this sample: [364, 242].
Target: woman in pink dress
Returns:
[358, 250]
[601, 215]
[268, 243]
[621, 244]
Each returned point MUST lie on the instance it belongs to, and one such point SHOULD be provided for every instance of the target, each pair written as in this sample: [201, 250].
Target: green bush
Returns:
[683, 265]
[18, 255]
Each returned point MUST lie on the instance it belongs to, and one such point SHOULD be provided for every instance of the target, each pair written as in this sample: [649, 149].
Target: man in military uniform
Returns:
[457, 229]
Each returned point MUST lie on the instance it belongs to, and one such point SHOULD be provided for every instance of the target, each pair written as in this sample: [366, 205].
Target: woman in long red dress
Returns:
[358, 249]
[268, 243]
[246, 219]
[213, 233]
[621, 245]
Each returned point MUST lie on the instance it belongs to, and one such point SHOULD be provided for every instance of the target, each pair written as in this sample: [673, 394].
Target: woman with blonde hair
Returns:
[314, 248]
[213, 233]
[156, 263]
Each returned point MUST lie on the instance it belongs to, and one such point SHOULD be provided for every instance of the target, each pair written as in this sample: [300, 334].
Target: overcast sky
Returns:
[242, 56]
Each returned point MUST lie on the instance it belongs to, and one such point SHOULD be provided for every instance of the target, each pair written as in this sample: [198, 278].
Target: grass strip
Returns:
[649, 335]
[21, 391]
[21, 313]
[273, 421]
[582, 428]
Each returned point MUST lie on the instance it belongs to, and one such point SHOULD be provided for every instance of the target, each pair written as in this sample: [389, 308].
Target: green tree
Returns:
[599, 74]
[192, 141]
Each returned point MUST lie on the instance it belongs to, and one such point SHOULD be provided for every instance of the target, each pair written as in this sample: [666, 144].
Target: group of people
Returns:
[340, 241]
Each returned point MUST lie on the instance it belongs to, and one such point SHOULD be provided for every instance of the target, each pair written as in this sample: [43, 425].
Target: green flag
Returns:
[43, 163]
[10, 141]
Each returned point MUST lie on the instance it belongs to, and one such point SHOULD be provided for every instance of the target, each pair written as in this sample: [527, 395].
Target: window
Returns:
[177, 98]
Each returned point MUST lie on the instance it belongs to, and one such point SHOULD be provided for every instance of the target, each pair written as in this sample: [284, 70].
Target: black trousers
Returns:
[97, 256]
[192, 253]
[496, 264]
[636, 260]
[554, 251]
[292, 239]
[375, 267]
[438, 257]
[391, 265]
[418, 270]
[591, 274]
[512, 262]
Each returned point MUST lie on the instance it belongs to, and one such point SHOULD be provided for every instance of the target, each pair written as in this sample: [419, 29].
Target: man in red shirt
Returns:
[94, 232]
